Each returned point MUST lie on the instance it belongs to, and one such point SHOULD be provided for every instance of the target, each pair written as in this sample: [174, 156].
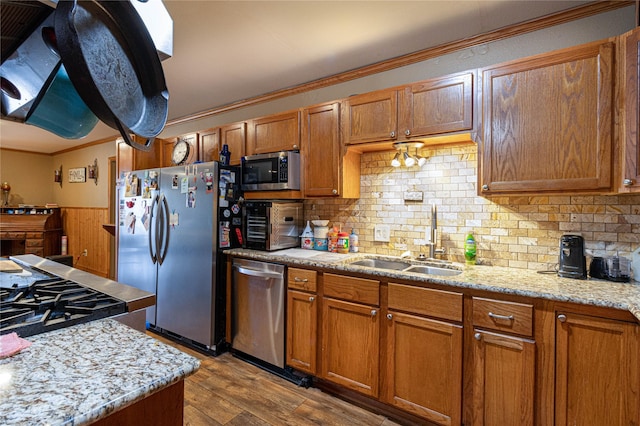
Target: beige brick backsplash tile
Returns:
[518, 264]
[629, 218]
[605, 236]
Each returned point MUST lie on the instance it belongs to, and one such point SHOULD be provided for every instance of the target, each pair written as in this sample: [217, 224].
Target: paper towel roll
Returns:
[635, 264]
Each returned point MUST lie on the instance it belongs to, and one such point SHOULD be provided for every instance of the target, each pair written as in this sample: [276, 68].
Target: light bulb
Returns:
[421, 161]
[396, 160]
[408, 160]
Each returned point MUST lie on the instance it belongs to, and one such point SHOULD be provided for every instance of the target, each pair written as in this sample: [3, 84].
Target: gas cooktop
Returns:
[35, 301]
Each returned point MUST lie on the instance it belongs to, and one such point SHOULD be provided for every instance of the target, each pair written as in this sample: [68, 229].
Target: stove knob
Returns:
[67, 315]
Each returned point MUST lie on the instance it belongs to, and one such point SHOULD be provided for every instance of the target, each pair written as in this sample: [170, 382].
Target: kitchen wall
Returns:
[520, 232]
[30, 176]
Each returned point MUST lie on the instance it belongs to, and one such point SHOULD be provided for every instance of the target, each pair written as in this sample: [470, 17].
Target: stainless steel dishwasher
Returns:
[258, 296]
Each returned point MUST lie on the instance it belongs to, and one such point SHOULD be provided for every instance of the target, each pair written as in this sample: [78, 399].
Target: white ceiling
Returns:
[226, 51]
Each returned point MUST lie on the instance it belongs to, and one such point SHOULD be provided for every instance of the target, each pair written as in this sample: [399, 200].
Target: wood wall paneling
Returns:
[83, 228]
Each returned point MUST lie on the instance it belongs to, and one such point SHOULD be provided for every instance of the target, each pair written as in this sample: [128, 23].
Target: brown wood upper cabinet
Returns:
[209, 146]
[167, 147]
[129, 158]
[329, 171]
[235, 136]
[547, 123]
[278, 132]
[428, 108]
[630, 94]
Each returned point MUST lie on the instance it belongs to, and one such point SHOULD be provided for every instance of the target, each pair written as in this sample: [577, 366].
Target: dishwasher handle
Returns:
[259, 274]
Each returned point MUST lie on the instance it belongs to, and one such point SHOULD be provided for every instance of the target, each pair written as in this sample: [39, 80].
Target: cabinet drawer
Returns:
[33, 235]
[352, 289]
[13, 235]
[503, 316]
[302, 279]
[426, 301]
[33, 243]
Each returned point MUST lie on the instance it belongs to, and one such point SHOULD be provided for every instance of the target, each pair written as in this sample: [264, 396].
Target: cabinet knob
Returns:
[300, 280]
[295, 146]
[485, 187]
[374, 312]
[389, 316]
[392, 134]
[627, 182]
[562, 318]
[407, 132]
[334, 191]
[477, 336]
[311, 298]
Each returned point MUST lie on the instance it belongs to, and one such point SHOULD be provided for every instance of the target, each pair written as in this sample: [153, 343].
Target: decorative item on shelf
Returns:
[6, 188]
[92, 171]
[77, 175]
[408, 159]
[57, 175]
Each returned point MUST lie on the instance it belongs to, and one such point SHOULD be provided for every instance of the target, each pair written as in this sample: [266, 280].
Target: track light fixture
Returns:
[408, 159]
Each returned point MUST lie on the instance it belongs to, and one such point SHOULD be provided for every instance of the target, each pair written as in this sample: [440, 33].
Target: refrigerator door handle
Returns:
[165, 229]
[153, 249]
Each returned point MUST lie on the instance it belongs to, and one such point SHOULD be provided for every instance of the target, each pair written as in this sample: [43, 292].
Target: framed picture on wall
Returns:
[78, 174]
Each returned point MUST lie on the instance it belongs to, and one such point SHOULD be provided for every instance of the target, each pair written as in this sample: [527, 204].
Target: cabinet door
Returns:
[547, 123]
[631, 95]
[124, 157]
[302, 323]
[147, 159]
[321, 146]
[597, 371]
[210, 145]
[350, 345]
[424, 367]
[503, 379]
[371, 117]
[280, 132]
[234, 135]
[437, 106]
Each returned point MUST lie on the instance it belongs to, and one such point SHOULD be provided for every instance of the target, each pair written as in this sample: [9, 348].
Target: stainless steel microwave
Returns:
[271, 172]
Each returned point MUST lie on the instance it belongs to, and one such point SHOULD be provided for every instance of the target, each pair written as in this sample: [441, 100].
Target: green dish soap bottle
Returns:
[470, 249]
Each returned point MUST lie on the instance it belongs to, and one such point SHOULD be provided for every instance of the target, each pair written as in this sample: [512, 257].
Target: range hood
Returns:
[39, 77]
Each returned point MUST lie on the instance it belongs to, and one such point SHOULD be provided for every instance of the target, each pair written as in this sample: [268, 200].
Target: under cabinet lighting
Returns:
[396, 160]
[407, 159]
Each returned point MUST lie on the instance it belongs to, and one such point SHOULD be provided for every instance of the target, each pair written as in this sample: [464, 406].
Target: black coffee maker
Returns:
[572, 262]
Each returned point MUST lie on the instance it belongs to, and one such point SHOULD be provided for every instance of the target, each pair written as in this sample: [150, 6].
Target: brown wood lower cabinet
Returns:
[504, 379]
[302, 325]
[597, 371]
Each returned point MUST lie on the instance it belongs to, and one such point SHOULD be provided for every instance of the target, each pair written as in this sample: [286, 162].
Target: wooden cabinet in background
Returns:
[38, 233]
[504, 366]
[329, 170]
[124, 157]
[547, 123]
[630, 93]
[371, 117]
[597, 371]
[351, 333]
[302, 320]
[424, 355]
[235, 136]
[274, 133]
[209, 147]
[129, 158]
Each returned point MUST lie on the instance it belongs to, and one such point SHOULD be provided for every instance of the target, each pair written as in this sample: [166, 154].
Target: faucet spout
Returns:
[433, 250]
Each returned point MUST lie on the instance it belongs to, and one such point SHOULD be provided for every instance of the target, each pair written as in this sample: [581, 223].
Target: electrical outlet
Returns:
[412, 195]
[382, 233]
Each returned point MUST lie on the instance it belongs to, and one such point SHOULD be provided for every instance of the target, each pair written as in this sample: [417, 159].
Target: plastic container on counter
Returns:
[343, 243]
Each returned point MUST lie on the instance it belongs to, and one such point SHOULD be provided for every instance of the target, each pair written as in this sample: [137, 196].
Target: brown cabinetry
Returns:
[350, 333]
[597, 371]
[503, 366]
[424, 355]
[547, 123]
[274, 133]
[329, 171]
[302, 320]
[191, 139]
[209, 147]
[38, 233]
[630, 95]
[235, 136]
[428, 108]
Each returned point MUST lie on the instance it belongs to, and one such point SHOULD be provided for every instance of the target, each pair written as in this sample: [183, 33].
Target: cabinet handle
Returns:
[311, 298]
[374, 312]
[389, 316]
[627, 182]
[392, 134]
[407, 132]
[501, 317]
[477, 336]
[562, 318]
[485, 187]
[334, 191]
[300, 280]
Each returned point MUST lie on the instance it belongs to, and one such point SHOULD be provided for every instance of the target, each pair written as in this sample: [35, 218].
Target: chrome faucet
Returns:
[433, 250]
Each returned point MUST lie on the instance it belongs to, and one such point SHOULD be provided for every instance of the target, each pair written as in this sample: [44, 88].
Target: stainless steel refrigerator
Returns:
[173, 224]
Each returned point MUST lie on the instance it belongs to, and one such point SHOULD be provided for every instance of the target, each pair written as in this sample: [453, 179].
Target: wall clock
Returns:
[180, 152]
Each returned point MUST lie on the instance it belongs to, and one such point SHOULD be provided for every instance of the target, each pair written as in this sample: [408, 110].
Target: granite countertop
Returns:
[79, 374]
[521, 282]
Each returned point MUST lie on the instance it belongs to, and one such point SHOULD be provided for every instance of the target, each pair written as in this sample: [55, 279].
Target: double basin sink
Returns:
[402, 266]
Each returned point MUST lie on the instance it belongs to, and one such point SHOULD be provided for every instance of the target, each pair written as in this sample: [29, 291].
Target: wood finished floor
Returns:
[229, 391]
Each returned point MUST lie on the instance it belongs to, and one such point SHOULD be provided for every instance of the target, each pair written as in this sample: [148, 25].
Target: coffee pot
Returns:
[572, 262]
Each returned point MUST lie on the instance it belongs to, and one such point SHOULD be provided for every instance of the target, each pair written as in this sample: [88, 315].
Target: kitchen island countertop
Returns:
[522, 282]
[80, 374]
